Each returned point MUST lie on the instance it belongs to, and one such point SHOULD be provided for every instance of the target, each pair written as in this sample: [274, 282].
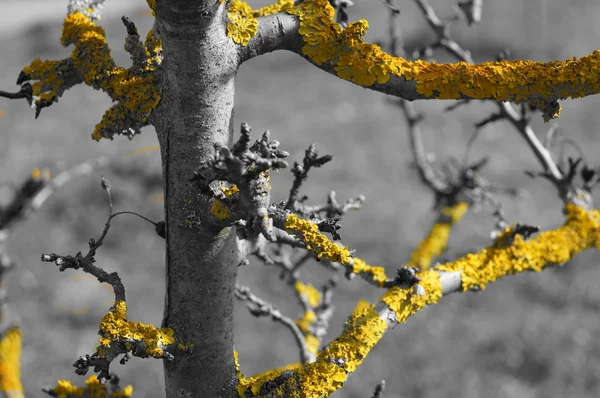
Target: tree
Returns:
[218, 208]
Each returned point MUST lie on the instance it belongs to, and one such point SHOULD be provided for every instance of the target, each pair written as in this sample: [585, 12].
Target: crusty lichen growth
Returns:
[436, 241]
[310, 293]
[38, 174]
[254, 383]
[93, 389]
[219, 210]
[304, 323]
[10, 363]
[230, 191]
[243, 24]
[510, 254]
[581, 231]
[325, 249]
[152, 5]
[115, 327]
[539, 84]
[135, 91]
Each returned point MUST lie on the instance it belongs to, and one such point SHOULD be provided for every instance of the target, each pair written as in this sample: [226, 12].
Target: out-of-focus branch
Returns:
[378, 393]
[426, 172]
[259, 307]
[55, 183]
[10, 340]
[436, 241]
[93, 387]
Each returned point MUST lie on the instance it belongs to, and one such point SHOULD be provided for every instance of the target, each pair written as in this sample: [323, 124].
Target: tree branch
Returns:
[310, 31]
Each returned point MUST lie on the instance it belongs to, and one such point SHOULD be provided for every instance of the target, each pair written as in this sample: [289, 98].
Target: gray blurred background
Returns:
[530, 335]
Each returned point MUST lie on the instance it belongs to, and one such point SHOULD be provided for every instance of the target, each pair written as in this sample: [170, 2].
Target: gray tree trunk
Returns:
[195, 113]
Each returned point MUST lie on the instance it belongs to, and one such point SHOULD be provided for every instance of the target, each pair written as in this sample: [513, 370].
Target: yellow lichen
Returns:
[309, 292]
[232, 190]
[580, 231]
[115, 327]
[366, 327]
[405, 302]
[243, 25]
[325, 249]
[135, 92]
[316, 241]
[365, 64]
[152, 5]
[10, 363]
[377, 273]
[93, 389]
[436, 241]
[219, 210]
[307, 319]
[37, 174]
[254, 383]
[362, 331]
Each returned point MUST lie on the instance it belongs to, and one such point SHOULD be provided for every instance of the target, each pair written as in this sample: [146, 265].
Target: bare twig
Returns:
[259, 307]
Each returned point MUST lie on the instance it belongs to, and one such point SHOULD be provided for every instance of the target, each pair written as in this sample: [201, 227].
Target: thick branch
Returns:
[368, 324]
[344, 54]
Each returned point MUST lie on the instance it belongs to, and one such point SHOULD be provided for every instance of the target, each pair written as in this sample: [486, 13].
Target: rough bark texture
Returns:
[195, 113]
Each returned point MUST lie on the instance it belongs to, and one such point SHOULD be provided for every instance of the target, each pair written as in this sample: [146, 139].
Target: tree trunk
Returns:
[194, 114]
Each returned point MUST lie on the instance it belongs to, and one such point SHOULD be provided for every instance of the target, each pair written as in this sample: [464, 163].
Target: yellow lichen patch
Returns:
[254, 383]
[135, 91]
[115, 327]
[152, 5]
[312, 343]
[49, 81]
[364, 64]
[65, 389]
[316, 241]
[405, 302]
[580, 231]
[325, 249]
[436, 241]
[232, 190]
[10, 363]
[243, 24]
[377, 273]
[219, 210]
[362, 332]
[38, 174]
[309, 292]
[307, 319]
[321, 379]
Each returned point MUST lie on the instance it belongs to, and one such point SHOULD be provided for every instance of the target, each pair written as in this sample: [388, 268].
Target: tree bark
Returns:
[194, 114]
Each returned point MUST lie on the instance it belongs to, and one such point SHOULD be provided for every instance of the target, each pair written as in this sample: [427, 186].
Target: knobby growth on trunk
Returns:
[218, 207]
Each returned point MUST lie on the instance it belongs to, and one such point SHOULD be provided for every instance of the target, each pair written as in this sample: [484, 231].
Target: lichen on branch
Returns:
[93, 388]
[115, 327]
[436, 241]
[10, 363]
[243, 25]
[134, 90]
[581, 231]
[510, 254]
[325, 249]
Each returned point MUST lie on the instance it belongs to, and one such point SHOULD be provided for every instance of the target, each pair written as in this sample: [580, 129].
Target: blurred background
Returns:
[530, 335]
